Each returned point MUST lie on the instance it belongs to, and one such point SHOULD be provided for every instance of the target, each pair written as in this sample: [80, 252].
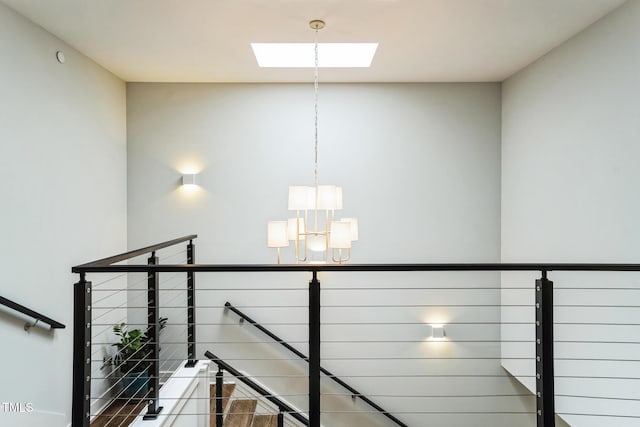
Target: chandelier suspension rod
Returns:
[315, 124]
[315, 87]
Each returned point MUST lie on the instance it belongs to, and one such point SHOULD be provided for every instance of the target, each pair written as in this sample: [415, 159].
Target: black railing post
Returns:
[153, 333]
[280, 419]
[191, 308]
[81, 397]
[219, 397]
[545, 394]
[314, 351]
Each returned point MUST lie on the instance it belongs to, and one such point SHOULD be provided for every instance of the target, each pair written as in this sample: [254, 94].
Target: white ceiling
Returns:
[208, 40]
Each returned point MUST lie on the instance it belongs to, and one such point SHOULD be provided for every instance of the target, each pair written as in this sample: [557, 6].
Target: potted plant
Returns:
[132, 358]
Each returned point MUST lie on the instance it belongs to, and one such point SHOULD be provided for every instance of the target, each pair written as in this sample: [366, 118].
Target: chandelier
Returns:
[317, 235]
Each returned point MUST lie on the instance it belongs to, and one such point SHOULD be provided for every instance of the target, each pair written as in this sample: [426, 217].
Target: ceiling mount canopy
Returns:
[317, 24]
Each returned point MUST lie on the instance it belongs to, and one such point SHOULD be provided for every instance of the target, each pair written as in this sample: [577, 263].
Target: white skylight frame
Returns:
[301, 55]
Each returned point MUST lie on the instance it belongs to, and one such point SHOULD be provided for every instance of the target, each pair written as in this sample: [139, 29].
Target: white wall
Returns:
[420, 168]
[570, 178]
[392, 147]
[63, 193]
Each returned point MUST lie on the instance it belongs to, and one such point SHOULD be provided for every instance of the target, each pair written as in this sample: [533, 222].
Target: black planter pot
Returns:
[135, 384]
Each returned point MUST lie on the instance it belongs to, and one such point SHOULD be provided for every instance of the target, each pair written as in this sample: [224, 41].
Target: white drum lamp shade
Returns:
[340, 237]
[328, 197]
[277, 234]
[299, 198]
[353, 227]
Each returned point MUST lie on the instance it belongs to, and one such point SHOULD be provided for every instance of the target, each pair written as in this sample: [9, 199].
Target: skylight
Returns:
[301, 55]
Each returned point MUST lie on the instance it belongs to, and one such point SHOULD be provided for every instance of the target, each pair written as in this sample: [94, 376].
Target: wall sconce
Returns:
[189, 179]
[437, 333]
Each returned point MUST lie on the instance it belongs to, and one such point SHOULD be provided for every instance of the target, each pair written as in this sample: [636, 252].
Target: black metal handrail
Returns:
[301, 355]
[95, 267]
[34, 314]
[104, 262]
[282, 407]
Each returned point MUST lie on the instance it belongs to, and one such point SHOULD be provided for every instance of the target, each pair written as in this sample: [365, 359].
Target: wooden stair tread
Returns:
[265, 421]
[241, 413]
[227, 391]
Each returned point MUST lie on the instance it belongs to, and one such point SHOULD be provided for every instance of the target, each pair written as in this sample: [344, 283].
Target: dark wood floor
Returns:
[120, 413]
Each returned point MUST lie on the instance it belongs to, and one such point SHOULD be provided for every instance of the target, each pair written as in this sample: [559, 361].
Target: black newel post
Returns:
[314, 351]
[545, 394]
[219, 397]
[81, 397]
[280, 419]
[191, 308]
[153, 333]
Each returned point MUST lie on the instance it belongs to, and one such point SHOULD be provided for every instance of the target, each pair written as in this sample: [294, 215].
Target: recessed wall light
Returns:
[302, 55]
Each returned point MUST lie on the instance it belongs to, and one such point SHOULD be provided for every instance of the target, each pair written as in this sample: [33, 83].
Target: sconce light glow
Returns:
[437, 333]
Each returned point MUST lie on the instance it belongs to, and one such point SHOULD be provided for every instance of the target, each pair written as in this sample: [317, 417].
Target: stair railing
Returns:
[34, 314]
[283, 408]
[82, 327]
[544, 307]
[354, 393]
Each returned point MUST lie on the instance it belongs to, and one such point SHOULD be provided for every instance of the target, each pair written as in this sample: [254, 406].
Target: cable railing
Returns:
[597, 349]
[122, 330]
[31, 313]
[376, 324]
